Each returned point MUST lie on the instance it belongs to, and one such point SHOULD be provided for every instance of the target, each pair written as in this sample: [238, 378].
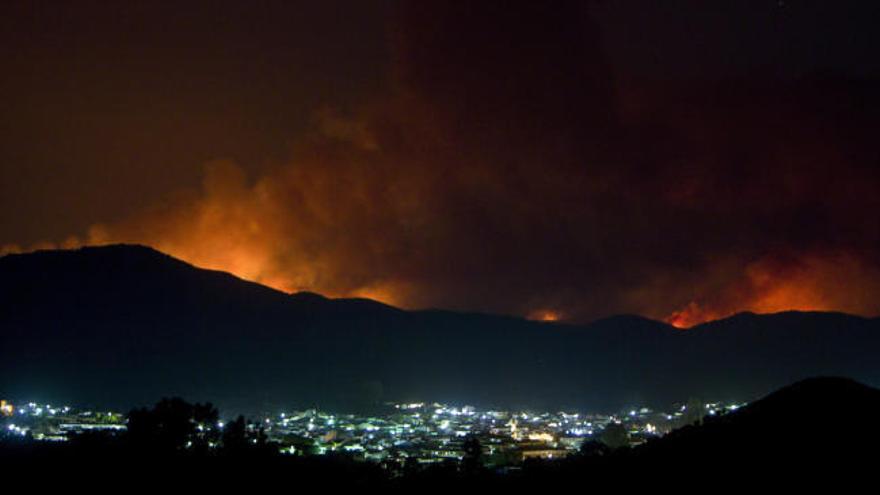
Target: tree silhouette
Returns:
[472, 461]
[239, 438]
[173, 425]
[235, 436]
[615, 436]
[593, 448]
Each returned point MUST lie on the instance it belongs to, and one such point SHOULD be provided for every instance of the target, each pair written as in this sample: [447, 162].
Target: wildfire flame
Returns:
[547, 315]
[816, 282]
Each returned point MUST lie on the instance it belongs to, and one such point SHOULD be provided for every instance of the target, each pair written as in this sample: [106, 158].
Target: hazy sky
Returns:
[574, 159]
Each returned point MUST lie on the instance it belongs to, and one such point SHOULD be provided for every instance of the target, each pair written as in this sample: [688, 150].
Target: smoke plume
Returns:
[510, 169]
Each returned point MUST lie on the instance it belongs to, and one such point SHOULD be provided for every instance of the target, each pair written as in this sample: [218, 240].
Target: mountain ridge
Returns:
[165, 327]
[315, 296]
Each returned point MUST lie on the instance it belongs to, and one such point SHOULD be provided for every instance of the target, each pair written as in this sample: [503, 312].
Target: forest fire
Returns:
[546, 315]
[597, 194]
[691, 315]
[815, 282]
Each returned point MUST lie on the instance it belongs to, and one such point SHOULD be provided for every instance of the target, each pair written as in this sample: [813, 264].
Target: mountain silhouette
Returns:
[122, 325]
[815, 429]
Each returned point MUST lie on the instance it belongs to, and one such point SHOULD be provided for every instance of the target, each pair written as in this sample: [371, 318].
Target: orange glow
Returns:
[781, 299]
[444, 174]
[293, 230]
[690, 315]
[273, 231]
[386, 293]
[818, 282]
[547, 315]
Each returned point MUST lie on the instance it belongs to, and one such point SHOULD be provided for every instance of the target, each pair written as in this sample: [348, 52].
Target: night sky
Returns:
[682, 160]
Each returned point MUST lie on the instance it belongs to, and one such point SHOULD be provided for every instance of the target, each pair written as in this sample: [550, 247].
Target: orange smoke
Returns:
[324, 224]
[690, 315]
[498, 175]
[547, 315]
[814, 282]
[278, 231]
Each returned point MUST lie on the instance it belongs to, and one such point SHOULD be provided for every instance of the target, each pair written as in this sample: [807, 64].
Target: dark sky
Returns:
[552, 159]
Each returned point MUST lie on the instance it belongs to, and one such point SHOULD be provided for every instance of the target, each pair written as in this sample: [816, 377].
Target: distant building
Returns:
[543, 453]
[571, 443]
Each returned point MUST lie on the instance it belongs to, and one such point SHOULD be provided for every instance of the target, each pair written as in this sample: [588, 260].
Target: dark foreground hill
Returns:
[119, 326]
[818, 419]
[816, 433]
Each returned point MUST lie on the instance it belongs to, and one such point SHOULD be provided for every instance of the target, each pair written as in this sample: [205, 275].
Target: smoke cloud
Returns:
[510, 169]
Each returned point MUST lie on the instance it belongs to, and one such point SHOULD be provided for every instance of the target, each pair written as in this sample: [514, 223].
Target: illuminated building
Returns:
[543, 453]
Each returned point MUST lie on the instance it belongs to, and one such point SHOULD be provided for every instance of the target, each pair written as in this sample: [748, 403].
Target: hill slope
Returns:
[819, 423]
[123, 325]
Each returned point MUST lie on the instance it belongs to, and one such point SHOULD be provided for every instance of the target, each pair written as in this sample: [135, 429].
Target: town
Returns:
[422, 433]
